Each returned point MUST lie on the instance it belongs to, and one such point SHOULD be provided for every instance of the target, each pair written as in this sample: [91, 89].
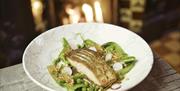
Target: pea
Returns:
[93, 85]
[88, 89]
[79, 80]
[86, 83]
[84, 89]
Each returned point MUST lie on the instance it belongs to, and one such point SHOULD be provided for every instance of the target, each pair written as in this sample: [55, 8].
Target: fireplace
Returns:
[126, 13]
[60, 12]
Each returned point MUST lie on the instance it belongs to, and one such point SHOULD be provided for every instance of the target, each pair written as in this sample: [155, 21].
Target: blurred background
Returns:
[157, 21]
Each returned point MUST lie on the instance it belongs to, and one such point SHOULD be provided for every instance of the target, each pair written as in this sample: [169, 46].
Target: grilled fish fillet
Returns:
[93, 66]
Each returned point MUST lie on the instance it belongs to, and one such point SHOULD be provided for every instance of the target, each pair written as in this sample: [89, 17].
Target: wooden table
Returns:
[161, 78]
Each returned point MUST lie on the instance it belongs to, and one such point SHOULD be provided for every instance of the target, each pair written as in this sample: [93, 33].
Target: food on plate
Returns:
[91, 67]
[92, 64]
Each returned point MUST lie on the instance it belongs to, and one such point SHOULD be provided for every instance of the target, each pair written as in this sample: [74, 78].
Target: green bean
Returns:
[54, 74]
[89, 43]
[101, 89]
[88, 89]
[121, 77]
[56, 61]
[84, 89]
[86, 83]
[96, 88]
[93, 85]
[69, 88]
[61, 82]
[114, 48]
[80, 46]
[129, 59]
[78, 75]
[79, 34]
[76, 86]
[91, 88]
[66, 48]
[127, 68]
[79, 80]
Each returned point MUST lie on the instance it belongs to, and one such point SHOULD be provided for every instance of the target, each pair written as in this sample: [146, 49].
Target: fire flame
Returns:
[98, 11]
[88, 11]
[74, 14]
[37, 8]
[37, 11]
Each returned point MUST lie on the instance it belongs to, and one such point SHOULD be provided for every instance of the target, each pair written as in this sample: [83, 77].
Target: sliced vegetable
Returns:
[93, 48]
[116, 86]
[108, 56]
[66, 70]
[117, 66]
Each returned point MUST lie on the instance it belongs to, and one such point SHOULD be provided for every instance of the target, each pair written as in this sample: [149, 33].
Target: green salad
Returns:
[90, 67]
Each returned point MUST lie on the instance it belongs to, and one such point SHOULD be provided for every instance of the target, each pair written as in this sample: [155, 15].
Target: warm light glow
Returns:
[37, 11]
[74, 14]
[88, 12]
[37, 7]
[98, 11]
[65, 20]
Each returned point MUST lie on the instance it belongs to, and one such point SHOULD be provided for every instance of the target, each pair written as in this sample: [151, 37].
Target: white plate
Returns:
[44, 48]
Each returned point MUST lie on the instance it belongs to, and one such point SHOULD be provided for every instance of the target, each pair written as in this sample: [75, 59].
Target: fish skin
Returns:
[96, 68]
